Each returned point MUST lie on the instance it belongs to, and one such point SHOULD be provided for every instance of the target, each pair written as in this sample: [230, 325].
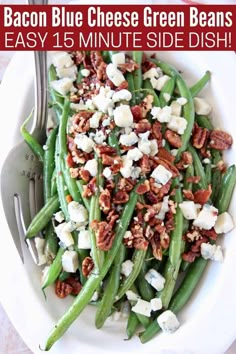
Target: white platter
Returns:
[207, 322]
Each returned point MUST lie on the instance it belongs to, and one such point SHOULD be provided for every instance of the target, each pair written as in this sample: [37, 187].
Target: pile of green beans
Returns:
[60, 188]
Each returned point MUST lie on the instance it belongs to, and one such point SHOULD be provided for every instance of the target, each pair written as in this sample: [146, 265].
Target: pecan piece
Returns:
[87, 266]
[173, 138]
[90, 188]
[69, 161]
[85, 175]
[126, 184]
[164, 154]
[146, 105]
[164, 240]
[193, 179]
[105, 149]
[190, 256]
[142, 126]
[74, 172]
[137, 113]
[143, 188]
[220, 140]
[157, 134]
[120, 197]
[104, 235]
[199, 136]
[168, 165]
[76, 286]
[202, 195]
[62, 289]
[209, 233]
[145, 164]
[139, 241]
[156, 247]
[188, 194]
[80, 122]
[105, 201]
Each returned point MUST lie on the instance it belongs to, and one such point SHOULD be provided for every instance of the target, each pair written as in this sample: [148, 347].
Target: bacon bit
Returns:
[146, 105]
[85, 175]
[80, 122]
[87, 266]
[109, 184]
[69, 198]
[188, 194]
[142, 126]
[196, 247]
[190, 256]
[90, 188]
[126, 184]
[74, 172]
[173, 138]
[105, 149]
[62, 289]
[199, 136]
[156, 247]
[156, 133]
[137, 113]
[145, 164]
[209, 233]
[75, 284]
[105, 201]
[69, 161]
[193, 179]
[202, 195]
[104, 234]
[143, 188]
[220, 140]
[164, 154]
[120, 197]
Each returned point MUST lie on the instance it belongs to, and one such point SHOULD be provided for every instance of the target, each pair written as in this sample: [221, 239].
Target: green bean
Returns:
[166, 68]
[137, 259]
[216, 174]
[95, 278]
[175, 252]
[86, 201]
[137, 74]
[199, 170]
[49, 164]
[111, 289]
[184, 265]
[226, 190]
[189, 173]
[62, 142]
[82, 254]
[54, 182]
[181, 297]
[31, 141]
[43, 217]
[149, 90]
[168, 89]
[54, 270]
[145, 289]
[204, 122]
[144, 320]
[51, 244]
[63, 276]
[195, 89]
[113, 141]
[208, 171]
[130, 79]
[132, 324]
[57, 99]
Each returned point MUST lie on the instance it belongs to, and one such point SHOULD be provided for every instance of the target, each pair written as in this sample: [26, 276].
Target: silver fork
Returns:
[21, 176]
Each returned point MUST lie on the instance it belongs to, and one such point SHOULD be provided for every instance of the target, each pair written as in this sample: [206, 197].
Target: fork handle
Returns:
[40, 89]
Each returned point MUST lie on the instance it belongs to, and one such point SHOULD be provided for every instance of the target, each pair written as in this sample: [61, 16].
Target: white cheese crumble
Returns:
[161, 174]
[155, 279]
[84, 240]
[201, 106]
[224, 223]
[166, 96]
[59, 216]
[40, 245]
[206, 218]
[114, 74]
[128, 139]
[168, 322]
[163, 115]
[99, 137]
[177, 124]
[164, 208]
[189, 210]
[77, 212]
[127, 267]
[103, 101]
[134, 154]
[61, 59]
[156, 304]
[85, 72]
[182, 101]
[161, 81]
[151, 73]
[64, 235]
[122, 95]
[70, 261]
[62, 86]
[95, 119]
[142, 307]
[123, 116]
[92, 167]
[176, 108]
[118, 58]
[126, 169]
[84, 143]
[107, 172]
[212, 252]
[131, 296]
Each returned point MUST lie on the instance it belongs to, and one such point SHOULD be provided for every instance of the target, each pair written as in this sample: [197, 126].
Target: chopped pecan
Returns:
[129, 65]
[137, 113]
[188, 194]
[168, 165]
[74, 172]
[159, 227]
[152, 197]
[199, 136]
[123, 86]
[149, 232]
[152, 211]
[169, 221]
[90, 188]
[173, 138]
[192, 235]
[202, 195]
[98, 64]
[143, 188]
[187, 157]
[146, 105]
[76, 286]
[156, 247]
[156, 133]
[120, 197]
[147, 65]
[79, 57]
[125, 184]
[190, 256]
[164, 154]
[104, 235]
[87, 266]
[62, 289]
[193, 179]
[142, 126]
[145, 164]
[109, 184]
[69, 161]
[80, 157]
[117, 164]
[220, 140]
[209, 233]
[84, 174]
[112, 217]
[105, 149]
[196, 247]
[80, 122]
[164, 240]
[139, 241]
[105, 201]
